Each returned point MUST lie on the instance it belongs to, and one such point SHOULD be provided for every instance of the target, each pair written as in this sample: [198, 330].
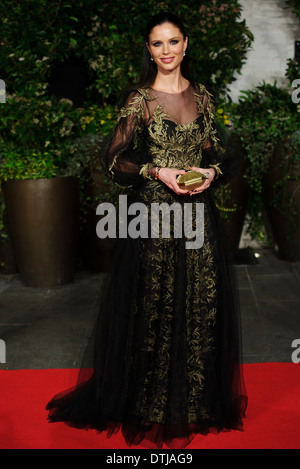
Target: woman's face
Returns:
[167, 45]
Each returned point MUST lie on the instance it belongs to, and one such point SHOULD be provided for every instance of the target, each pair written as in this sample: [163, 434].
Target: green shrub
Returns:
[266, 119]
[109, 37]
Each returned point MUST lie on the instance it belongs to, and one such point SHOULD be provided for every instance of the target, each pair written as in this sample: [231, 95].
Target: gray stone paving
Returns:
[49, 328]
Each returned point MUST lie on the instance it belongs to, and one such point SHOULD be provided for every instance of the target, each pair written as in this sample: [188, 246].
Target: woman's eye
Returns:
[157, 44]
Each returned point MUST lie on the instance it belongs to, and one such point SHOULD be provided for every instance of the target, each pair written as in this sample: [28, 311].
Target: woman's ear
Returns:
[148, 47]
[186, 41]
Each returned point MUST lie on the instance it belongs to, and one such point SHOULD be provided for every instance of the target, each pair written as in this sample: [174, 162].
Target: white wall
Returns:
[275, 30]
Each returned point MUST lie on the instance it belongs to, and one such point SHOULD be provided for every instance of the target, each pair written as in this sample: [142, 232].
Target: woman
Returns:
[166, 356]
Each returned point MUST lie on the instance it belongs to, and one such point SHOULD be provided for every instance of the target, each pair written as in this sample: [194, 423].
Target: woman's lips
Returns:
[167, 60]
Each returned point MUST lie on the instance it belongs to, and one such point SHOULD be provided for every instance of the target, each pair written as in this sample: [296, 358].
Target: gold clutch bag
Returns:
[191, 180]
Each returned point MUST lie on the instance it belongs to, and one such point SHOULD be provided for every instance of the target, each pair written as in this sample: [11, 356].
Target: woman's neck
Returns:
[170, 83]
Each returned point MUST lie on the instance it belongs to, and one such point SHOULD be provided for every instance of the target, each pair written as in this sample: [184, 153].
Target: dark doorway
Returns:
[69, 79]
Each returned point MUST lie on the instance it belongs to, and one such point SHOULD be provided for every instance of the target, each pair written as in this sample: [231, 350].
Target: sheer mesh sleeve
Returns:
[213, 153]
[127, 159]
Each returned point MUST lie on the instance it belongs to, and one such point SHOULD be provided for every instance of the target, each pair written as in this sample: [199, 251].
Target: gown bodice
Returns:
[157, 128]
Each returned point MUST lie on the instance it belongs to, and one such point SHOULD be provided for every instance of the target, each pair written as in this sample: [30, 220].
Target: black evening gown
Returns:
[166, 346]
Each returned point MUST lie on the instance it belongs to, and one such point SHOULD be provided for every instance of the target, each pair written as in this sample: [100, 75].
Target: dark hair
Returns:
[149, 68]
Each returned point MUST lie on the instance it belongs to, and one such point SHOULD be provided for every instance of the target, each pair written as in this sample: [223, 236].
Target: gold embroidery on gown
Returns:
[184, 145]
[179, 145]
[167, 338]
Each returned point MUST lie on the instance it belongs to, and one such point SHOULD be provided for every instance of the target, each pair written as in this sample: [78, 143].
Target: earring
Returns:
[152, 58]
[184, 54]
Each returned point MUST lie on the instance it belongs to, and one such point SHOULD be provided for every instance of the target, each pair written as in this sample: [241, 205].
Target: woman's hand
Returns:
[207, 182]
[168, 176]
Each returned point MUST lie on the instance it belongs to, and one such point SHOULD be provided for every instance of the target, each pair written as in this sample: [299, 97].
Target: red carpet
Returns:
[273, 416]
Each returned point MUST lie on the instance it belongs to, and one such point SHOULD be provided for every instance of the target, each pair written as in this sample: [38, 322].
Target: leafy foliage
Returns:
[38, 131]
[109, 37]
[30, 125]
[35, 166]
[292, 71]
[266, 119]
[295, 5]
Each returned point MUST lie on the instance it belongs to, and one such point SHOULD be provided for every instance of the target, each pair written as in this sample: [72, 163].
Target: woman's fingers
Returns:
[169, 177]
[180, 191]
[175, 186]
[181, 171]
[201, 188]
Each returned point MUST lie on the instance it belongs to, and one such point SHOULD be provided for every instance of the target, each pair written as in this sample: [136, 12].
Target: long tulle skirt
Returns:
[164, 361]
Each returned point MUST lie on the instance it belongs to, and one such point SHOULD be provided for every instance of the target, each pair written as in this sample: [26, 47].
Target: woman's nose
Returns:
[166, 49]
